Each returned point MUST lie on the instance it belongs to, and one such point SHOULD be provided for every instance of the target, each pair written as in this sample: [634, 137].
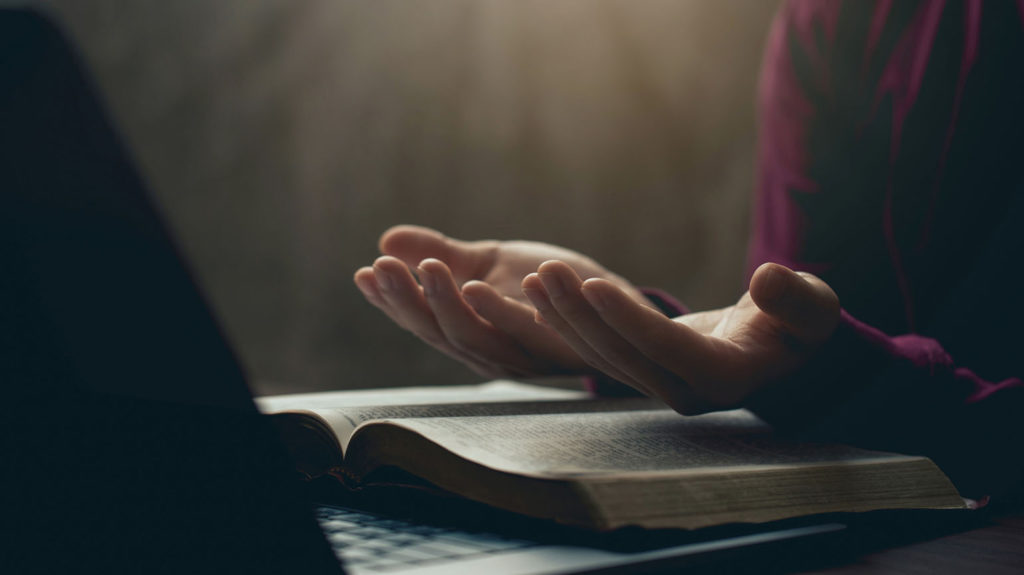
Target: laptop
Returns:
[130, 439]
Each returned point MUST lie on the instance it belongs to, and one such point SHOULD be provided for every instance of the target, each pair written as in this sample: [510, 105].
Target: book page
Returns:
[498, 390]
[622, 442]
[344, 421]
[343, 411]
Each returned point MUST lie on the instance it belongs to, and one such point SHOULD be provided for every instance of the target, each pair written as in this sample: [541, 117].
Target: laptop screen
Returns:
[91, 247]
[135, 443]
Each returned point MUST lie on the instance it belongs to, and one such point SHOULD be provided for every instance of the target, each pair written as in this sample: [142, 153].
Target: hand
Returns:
[469, 303]
[697, 362]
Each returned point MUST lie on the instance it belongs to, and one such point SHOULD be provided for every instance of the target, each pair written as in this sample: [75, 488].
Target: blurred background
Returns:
[281, 137]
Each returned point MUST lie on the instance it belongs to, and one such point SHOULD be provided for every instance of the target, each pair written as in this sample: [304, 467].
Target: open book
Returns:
[591, 462]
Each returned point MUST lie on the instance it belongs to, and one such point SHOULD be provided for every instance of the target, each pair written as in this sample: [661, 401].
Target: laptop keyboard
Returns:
[375, 543]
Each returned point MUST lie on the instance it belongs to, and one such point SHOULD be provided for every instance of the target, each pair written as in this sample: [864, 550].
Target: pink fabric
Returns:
[841, 80]
[889, 163]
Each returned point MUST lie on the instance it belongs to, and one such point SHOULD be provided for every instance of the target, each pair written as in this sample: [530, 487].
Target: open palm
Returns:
[697, 362]
[466, 299]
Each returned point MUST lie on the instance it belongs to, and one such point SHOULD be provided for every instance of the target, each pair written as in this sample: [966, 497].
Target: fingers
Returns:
[806, 306]
[366, 281]
[462, 327]
[402, 294]
[413, 244]
[435, 311]
[556, 293]
[390, 286]
[678, 347]
[702, 366]
[550, 317]
[635, 344]
[551, 355]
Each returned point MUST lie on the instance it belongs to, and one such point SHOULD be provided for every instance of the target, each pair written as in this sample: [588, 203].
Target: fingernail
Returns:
[553, 284]
[428, 281]
[385, 280]
[595, 299]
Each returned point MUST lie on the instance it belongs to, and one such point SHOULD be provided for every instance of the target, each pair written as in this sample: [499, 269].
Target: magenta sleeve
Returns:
[905, 394]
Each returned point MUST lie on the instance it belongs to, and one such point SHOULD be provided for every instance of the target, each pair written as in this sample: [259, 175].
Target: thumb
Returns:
[804, 304]
[413, 244]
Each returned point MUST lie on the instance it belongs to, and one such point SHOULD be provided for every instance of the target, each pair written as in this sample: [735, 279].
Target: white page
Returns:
[493, 391]
[343, 411]
[649, 441]
[345, 420]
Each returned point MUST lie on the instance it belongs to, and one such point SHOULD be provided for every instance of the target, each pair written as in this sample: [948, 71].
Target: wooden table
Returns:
[984, 543]
[994, 546]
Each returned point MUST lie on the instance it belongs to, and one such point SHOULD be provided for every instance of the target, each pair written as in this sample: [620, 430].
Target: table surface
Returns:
[984, 545]
[996, 546]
